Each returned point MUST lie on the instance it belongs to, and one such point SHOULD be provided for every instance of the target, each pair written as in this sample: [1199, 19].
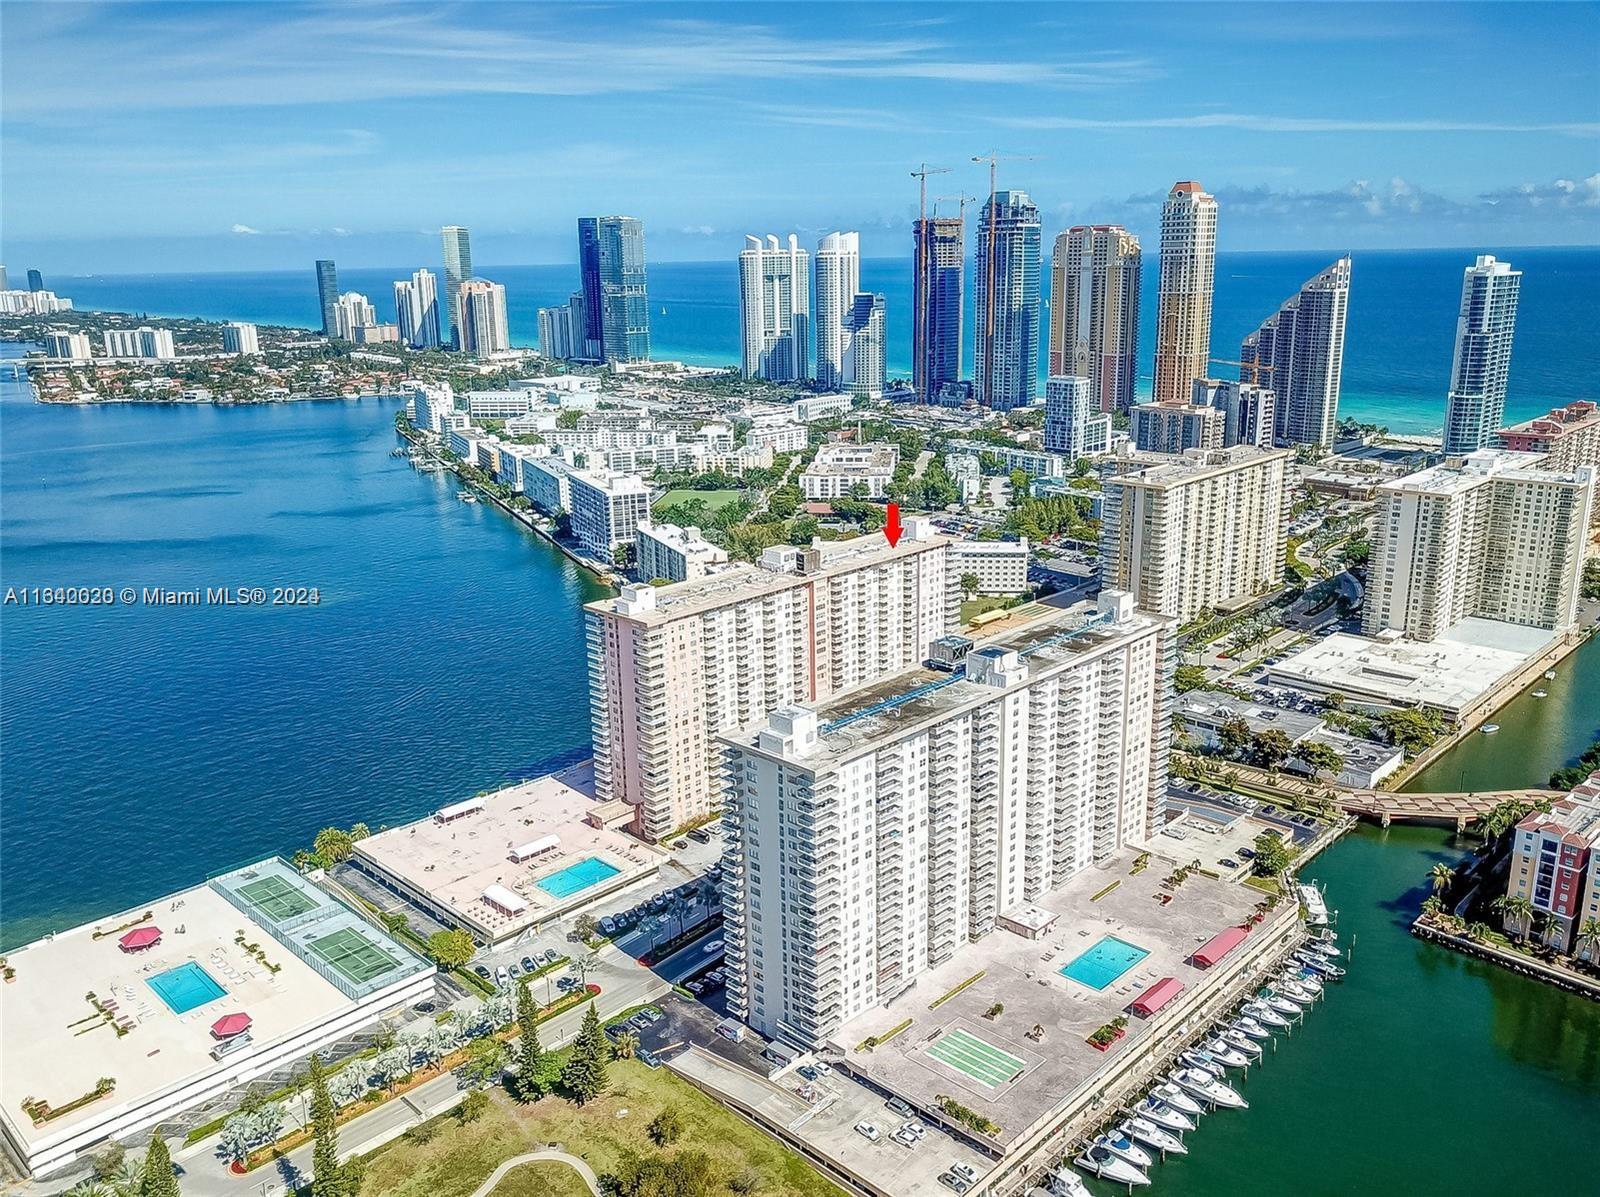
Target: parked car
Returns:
[649, 1059]
[529, 965]
[680, 845]
[483, 972]
[807, 1071]
[502, 976]
[867, 1131]
[700, 836]
[714, 946]
[953, 1182]
[965, 1172]
[550, 956]
[899, 1107]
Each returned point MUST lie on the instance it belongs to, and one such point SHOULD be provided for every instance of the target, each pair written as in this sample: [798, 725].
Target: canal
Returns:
[1424, 1072]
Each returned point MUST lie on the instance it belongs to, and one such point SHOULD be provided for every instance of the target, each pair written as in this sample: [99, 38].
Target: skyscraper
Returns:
[1188, 269]
[35, 281]
[328, 295]
[1067, 402]
[5, 283]
[775, 309]
[864, 346]
[838, 282]
[936, 305]
[416, 305]
[615, 295]
[352, 312]
[457, 269]
[1299, 353]
[1007, 309]
[1094, 314]
[1476, 406]
[481, 317]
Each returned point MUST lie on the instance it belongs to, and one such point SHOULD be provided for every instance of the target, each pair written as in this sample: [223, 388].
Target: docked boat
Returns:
[1316, 907]
[1097, 1161]
[1242, 1042]
[1120, 1144]
[1308, 980]
[1153, 1109]
[1283, 1004]
[1541, 694]
[1296, 991]
[1321, 947]
[1206, 1087]
[1067, 1184]
[1317, 964]
[1175, 1097]
[1149, 1133]
[1245, 1025]
[1550, 674]
[1223, 1052]
[1489, 729]
[1266, 1015]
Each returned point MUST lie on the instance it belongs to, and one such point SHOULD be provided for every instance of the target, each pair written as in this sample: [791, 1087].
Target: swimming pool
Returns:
[575, 877]
[1102, 964]
[186, 987]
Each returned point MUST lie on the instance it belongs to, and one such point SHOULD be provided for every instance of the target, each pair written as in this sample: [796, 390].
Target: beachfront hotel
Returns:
[1299, 352]
[180, 1000]
[1476, 405]
[1094, 322]
[1555, 864]
[672, 667]
[1568, 437]
[872, 837]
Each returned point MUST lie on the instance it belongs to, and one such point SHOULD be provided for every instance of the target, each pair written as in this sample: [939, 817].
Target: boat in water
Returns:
[1151, 1135]
[1489, 729]
[1208, 1088]
[1099, 1162]
[1122, 1145]
[1284, 1004]
[1247, 1026]
[1296, 989]
[1550, 675]
[1241, 1042]
[1159, 1112]
[1316, 908]
[1230, 1055]
[1266, 1015]
[1170, 1094]
[1318, 964]
[1541, 694]
[1067, 1184]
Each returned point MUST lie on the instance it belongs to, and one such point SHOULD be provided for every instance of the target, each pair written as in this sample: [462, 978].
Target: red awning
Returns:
[1157, 996]
[140, 937]
[230, 1024]
[1219, 945]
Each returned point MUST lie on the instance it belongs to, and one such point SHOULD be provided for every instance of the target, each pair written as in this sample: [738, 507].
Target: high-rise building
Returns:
[1068, 400]
[1476, 406]
[616, 302]
[1094, 311]
[864, 348]
[607, 509]
[1205, 531]
[873, 837]
[67, 345]
[1555, 865]
[241, 338]
[352, 313]
[1175, 427]
[328, 295]
[1568, 437]
[775, 309]
[838, 282]
[5, 281]
[1247, 409]
[1299, 352]
[35, 281]
[1188, 270]
[457, 269]
[1490, 535]
[560, 335]
[936, 304]
[670, 669]
[481, 318]
[416, 305]
[146, 342]
[1007, 307]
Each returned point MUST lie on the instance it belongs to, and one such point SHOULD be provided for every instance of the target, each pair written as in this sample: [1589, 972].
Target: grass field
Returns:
[544, 1178]
[455, 1159]
[978, 606]
[713, 499]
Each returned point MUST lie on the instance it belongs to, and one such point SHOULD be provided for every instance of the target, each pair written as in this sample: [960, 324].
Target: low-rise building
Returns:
[780, 438]
[965, 472]
[840, 466]
[1001, 566]
[1036, 463]
[666, 551]
[606, 509]
[500, 405]
[1364, 763]
[547, 481]
[1555, 865]
[820, 407]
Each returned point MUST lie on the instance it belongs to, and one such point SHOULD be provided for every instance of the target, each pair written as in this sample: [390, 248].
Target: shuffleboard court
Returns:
[353, 955]
[276, 898]
[983, 1062]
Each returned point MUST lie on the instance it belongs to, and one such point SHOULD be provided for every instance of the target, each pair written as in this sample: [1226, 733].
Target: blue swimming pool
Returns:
[186, 987]
[1102, 964]
[576, 877]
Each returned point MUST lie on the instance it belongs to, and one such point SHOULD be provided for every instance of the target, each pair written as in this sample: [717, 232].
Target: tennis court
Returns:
[276, 898]
[355, 956]
[983, 1062]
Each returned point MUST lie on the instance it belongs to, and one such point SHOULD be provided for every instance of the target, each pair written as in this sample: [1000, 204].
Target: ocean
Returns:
[1399, 338]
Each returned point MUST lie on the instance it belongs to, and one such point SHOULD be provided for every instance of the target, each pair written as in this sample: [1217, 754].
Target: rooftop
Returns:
[1575, 819]
[1194, 464]
[1456, 475]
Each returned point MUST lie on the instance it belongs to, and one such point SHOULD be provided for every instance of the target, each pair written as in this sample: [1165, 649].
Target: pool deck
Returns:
[1024, 976]
[446, 867]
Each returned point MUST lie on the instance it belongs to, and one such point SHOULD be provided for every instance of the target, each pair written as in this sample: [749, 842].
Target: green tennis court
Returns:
[983, 1062]
[276, 898]
[353, 955]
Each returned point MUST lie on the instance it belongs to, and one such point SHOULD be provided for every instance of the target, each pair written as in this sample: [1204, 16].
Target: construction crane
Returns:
[986, 388]
[1256, 368]
[919, 370]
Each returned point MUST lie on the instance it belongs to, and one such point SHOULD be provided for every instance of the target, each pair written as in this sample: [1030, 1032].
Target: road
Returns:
[533, 1157]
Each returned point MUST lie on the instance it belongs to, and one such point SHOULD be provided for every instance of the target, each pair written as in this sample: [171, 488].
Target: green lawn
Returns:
[713, 499]
[543, 1178]
[978, 606]
[453, 1159]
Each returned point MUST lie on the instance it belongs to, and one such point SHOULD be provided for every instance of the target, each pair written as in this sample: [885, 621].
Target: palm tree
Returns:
[89, 1187]
[625, 1045]
[1588, 938]
[1441, 875]
[1432, 906]
[1517, 910]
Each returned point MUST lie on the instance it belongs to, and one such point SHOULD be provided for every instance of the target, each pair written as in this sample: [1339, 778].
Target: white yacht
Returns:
[1266, 1015]
[1153, 1109]
[1119, 1143]
[1282, 1004]
[1295, 991]
[1067, 1184]
[1148, 1132]
[1097, 1161]
[1241, 1042]
[1317, 964]
[1208, 1088]
[1171, 1095]
[1246, 1025]
[1224, 1053]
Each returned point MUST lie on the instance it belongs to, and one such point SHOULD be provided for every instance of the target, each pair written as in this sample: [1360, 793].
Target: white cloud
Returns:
[1294, 124]
[246, 229]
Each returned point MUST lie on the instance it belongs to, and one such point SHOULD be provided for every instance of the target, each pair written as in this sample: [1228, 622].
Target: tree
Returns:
[970, 584]
[746, 1181]
[625, 1046]
[1588, 939]
[622, 556]
[1271, 748]
[687, 1174]
[1320, 758]
[1272, 856]
[1411, 730]
[158, 1179]
[1440, 876]
[1517, 911]
[586, 926]
[486, 1059]
[329, 1178]
[1189, 677]
[525, 1085]
[333, 844]
[666, 1127]
[1234, 737]
[472, 1106]
[585, 1077]
[451, 949]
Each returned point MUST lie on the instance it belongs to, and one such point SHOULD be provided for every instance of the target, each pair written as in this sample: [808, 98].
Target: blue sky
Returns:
[244, 136]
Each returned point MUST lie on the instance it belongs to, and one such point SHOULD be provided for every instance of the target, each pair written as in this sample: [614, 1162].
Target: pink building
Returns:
[1555, 864]
[1568, 436]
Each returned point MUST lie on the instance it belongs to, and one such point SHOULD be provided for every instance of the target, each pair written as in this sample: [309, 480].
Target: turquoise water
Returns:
[1102, 964]
[577, 877]
[186, 987]
[1399, 338]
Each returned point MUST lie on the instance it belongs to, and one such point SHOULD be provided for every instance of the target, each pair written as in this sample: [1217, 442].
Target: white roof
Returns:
[533, 847]
[500, 896]
[458, 808]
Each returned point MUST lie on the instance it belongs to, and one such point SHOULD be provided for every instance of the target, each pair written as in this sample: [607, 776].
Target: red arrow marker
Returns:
[891, 526]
